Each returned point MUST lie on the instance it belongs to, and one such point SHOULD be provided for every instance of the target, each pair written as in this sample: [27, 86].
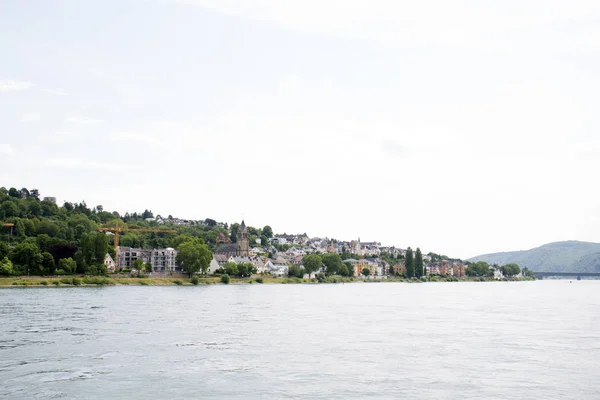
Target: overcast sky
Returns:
[462, 127]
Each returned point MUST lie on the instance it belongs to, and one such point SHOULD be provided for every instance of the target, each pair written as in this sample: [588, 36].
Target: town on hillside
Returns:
[40, 237]
[282, 252]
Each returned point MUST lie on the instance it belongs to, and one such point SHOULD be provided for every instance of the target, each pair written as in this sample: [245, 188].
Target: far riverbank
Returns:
[80, 280]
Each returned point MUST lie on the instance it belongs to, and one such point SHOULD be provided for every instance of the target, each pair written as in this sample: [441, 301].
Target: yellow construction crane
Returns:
[116, 230]
[9, 224]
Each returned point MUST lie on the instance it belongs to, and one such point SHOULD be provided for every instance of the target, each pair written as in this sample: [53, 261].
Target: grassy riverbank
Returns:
[41, 281]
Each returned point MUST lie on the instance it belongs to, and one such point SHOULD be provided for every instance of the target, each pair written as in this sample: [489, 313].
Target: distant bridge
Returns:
[578, 275]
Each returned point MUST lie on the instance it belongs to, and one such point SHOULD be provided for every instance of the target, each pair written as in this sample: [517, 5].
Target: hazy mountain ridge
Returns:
[565, 256]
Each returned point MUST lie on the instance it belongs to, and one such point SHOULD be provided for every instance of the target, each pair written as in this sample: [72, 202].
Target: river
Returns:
[493, 340]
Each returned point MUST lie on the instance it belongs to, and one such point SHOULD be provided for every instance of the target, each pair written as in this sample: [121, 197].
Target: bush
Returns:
[295, 271]
[178, 282]
[143, 283]
[56, 283]
[195, 280]
[66, 281]
[95, 280]
[225, 279]
[320, 277]
[259, 280]
[44, 283]
[76, 281]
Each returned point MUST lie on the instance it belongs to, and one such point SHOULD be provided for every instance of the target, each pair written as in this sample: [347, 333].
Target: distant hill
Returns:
[566, 256]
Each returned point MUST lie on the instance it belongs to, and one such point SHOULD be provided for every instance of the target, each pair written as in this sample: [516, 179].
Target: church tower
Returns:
[243, 243]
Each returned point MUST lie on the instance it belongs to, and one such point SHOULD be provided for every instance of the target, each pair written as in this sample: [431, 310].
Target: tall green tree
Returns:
[410, 263]
[267, 231]
[27, 254]
[235, 227]
[419, 270]
[312, 263]
[100, 247]
[333, 263]
[194, 256]
[366, 272]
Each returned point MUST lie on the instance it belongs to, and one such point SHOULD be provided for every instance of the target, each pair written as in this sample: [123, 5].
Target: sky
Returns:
[461, 127]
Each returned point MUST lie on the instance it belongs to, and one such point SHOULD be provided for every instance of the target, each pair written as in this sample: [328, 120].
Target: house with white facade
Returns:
[109, 263]
[276, 267]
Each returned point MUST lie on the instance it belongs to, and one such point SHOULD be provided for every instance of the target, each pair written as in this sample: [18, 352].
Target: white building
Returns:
[109, 263]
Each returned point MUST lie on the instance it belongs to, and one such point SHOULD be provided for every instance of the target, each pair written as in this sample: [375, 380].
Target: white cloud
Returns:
[30, 117]
[439, 22]
[54, 91]
[78, 163]
[7, 149]
[82, 120]
[11, 85]
[136, 137]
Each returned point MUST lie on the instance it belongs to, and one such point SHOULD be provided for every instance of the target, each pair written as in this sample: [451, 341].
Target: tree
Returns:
[28, 255]
[231, 268]
[13, 192]
[479, 268]
[9, 209]
[311, 263]
[267, 231]
[210, 222]
[264, 241]
[243, 269]
[344, 270]
[235, 227]
[4, 250]
[47, 264]
[147, 214]
[419, 272]
[67, 265]
[295, 271]
[510, 270]
[194, 256]
[366, 272]
[6, 266]
[148, 267]
[410, 263]
[100, 247]
[349, 268]
[138, 264]
[333, 262]
[345, 253]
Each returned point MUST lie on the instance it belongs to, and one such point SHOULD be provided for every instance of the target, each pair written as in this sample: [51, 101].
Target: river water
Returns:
[520, 340]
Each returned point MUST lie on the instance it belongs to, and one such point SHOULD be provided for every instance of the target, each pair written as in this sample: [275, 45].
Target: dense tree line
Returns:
[50, 239]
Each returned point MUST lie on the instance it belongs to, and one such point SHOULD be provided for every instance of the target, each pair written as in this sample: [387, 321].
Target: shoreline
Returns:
[95, 281]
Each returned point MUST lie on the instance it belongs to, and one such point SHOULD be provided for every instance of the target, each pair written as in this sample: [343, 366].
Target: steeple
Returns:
[243, 244]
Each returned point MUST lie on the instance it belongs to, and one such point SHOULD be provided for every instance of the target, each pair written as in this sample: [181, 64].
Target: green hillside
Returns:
[569, 256]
